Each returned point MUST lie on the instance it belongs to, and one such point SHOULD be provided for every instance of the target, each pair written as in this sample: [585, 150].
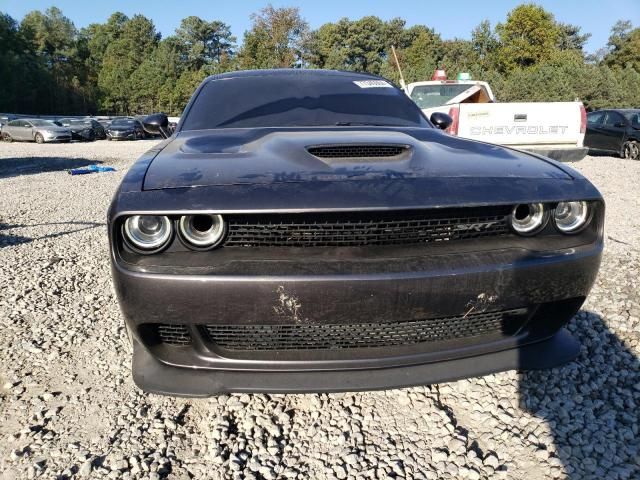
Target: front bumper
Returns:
[57, 138]
[551, 285]
[82, 136]
[116, 135]
[154, 376]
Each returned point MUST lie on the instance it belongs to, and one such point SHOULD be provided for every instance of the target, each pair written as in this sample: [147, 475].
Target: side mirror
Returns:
[157, 124]
[441, 120]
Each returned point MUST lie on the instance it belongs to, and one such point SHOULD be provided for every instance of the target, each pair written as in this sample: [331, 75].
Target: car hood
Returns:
[268, 156]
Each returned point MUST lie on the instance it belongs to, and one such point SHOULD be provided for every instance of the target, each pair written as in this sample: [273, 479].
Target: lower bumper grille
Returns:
[364, 335]
[174, 334]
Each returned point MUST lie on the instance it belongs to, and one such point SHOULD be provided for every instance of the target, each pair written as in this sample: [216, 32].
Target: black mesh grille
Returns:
[353, 151]
[363, 335]
[174, 334]
[352, 229]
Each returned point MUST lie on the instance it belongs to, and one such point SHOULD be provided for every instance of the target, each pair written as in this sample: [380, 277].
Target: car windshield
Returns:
[300, 100]
[41, 123]
[78, 122]
[430, 96]
[123, 122]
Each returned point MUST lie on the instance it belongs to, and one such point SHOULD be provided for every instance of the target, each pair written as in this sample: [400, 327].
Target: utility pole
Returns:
[402, 83]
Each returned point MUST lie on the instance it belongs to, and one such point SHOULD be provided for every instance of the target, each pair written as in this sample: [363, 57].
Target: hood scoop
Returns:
[369, 152]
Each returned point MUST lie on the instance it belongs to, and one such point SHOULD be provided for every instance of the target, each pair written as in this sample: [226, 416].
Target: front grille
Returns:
[364, 335]
[174, 334]
[353, 229]
[357, 151]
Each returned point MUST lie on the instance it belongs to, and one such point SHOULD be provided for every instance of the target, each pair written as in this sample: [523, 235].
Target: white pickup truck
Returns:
[553, 129]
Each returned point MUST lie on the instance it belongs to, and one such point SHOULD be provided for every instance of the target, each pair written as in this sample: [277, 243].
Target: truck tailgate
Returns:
[522, 124]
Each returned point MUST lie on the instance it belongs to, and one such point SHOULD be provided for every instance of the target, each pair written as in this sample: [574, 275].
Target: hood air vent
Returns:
[357, 151]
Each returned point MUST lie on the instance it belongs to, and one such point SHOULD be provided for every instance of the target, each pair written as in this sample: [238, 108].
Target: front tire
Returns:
[631, 150]
[39, 138]
[7, 138]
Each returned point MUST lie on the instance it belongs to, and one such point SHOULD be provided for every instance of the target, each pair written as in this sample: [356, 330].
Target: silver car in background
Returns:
[34, 130]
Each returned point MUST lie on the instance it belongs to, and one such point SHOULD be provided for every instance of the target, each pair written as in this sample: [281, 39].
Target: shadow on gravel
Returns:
[590, 405]
[8, 239]
[602, 153]
[13, 167]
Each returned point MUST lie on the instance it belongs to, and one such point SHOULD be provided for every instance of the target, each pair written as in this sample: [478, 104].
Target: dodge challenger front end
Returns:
[312, 231]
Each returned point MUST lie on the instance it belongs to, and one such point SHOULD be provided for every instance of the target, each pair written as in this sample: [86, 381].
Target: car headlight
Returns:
[201, 232]
[528, 218]
[148, 233]
[570, 217]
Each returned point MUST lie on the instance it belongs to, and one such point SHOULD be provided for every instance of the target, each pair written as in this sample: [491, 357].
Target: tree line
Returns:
[124, 66]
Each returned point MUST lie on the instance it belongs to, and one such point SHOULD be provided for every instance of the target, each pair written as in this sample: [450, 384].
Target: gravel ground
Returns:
[70, 410]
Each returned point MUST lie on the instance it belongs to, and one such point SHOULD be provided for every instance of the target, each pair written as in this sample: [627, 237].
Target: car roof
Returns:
[286, 72]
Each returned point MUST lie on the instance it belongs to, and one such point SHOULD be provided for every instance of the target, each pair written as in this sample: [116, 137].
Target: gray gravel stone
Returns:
[69, 403]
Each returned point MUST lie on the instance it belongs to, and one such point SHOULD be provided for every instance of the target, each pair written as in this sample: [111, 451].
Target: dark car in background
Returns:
[312, 230]
[125, 129]
[614, 131]
[85, 129]
[34, 130]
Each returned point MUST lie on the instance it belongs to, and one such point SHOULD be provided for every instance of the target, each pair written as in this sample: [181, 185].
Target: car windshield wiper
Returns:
[367, 124]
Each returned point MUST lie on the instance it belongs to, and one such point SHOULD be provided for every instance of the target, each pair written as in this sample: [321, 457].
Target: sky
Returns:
[453, 18]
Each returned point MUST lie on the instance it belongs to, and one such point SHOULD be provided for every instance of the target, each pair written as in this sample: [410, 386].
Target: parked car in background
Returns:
[105, 122]
[84, 128]
[35, 130]
[312, 230]
[614, 131]
[125, 129]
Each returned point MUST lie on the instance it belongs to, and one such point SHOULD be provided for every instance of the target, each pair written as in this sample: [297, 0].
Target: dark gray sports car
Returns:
[313, 231]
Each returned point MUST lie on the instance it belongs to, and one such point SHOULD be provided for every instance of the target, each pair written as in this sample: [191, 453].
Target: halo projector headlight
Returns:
[148, 232]
[570, 217]
[528, 218]
[201, 231]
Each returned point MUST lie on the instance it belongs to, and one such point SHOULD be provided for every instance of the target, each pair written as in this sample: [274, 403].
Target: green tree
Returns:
[364, 45]
[459, 56]
[122, 57]
[529, 36]
[186, 85]
[275, 40]
[98, 36]
[624, 46]
[419, 58]
[51, 34]
[53, 38]
[485, 45]
[23, 74]
[570, 38]
[362, 42]
[205, 43]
